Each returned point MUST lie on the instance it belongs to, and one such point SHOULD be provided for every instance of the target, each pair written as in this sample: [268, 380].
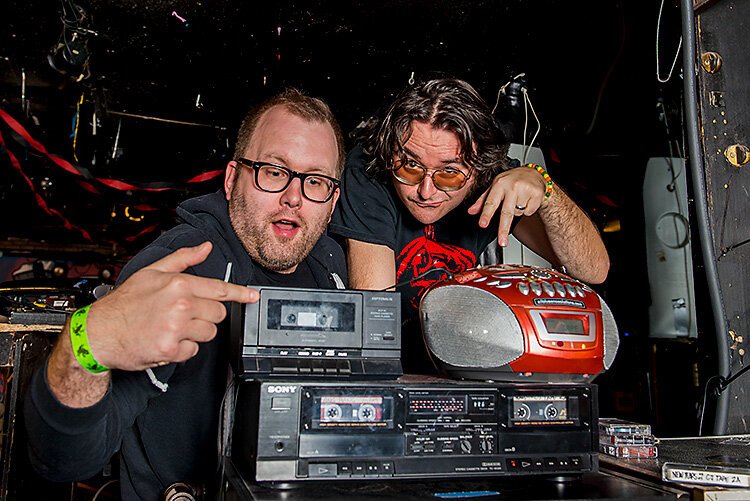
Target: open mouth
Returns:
[285, 227]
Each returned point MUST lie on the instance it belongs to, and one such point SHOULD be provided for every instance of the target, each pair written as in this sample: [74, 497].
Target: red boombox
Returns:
[518, 323]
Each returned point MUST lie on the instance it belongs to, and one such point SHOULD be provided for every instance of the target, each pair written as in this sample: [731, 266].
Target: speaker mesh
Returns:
[611, 335]
[469, 327]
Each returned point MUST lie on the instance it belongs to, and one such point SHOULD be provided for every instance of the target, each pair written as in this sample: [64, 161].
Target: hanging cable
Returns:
[676, 55]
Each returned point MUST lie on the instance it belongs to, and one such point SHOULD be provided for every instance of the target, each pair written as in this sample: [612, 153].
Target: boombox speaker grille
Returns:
[468, 327]
[611, 335]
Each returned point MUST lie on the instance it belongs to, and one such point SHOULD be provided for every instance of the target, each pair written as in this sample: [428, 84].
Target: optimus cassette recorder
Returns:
[317, 333]
[412, 428]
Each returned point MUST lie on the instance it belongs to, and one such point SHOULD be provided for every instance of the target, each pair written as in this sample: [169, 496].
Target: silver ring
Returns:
[520, 207]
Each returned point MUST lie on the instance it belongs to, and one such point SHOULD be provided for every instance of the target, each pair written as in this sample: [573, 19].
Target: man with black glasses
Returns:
[144, 369]
[419, 194]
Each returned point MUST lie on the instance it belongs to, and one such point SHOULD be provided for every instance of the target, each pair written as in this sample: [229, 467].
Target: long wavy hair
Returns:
[445, 103]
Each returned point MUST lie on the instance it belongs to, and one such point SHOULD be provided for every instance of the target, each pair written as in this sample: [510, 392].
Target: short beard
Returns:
[262, 245]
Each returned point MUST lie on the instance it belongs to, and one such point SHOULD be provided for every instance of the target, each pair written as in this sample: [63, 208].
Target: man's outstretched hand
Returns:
[159, 315]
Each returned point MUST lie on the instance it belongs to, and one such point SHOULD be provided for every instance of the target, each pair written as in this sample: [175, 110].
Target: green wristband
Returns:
[80, 341]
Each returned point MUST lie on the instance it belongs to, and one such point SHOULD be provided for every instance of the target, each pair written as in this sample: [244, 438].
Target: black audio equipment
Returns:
[518, 323]
[318, 333]
[291, 430]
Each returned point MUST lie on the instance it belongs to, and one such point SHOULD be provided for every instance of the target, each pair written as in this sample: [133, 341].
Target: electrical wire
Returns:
[101, 489]
[526, 105]
[677, 53]
[75, 132]
[421, 275]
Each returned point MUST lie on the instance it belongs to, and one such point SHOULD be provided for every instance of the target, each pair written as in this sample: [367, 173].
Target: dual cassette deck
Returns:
[413, 428]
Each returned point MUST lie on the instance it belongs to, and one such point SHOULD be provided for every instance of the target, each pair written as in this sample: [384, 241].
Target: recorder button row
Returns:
[362, 468]
[286, 366]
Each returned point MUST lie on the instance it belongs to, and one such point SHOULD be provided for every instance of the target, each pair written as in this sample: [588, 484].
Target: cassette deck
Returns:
[414, 427]
[316, 333]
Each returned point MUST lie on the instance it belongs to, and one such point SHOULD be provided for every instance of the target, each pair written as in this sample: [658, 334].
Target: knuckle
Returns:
[178, 281]
[182, 304]
[165, 349]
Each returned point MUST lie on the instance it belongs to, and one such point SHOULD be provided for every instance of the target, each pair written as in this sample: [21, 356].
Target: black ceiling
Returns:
[152, 65]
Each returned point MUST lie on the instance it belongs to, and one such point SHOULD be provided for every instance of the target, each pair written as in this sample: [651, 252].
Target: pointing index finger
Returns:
[218, 290]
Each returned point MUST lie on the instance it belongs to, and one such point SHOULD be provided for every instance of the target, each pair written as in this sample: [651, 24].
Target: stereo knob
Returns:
[466, 446]
[485, 445]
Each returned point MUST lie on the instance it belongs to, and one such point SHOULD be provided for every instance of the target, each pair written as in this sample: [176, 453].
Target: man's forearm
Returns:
[71, 384]
[574, 238]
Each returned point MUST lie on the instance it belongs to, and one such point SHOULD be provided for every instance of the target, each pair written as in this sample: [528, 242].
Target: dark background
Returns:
[590, 70]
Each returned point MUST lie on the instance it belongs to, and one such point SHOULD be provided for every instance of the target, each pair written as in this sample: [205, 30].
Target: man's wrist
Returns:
[80, 342]
[548, 185]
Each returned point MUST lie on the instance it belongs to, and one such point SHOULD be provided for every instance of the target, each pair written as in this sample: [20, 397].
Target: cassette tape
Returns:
[352, 410]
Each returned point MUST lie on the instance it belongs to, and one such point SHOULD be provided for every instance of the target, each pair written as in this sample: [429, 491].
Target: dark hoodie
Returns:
[163, 437]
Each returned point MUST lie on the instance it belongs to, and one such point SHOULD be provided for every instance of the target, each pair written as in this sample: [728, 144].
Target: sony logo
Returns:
[281, 389]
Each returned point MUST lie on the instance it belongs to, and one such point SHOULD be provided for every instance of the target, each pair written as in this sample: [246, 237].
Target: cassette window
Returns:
[296, 315]
[348, 411]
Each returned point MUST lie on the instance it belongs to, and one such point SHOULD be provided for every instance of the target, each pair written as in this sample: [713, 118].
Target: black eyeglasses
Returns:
[274, 178]
[410, 173]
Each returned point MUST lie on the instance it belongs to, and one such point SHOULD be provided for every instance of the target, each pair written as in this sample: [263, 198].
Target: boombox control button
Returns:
[548, 288]
[575, 462]
[536, 288]
[540, 273]
[386, 468]
[373, 469]
[550, 464]
[560, 288]
[523, 288]
[571, 290]
[579, 291]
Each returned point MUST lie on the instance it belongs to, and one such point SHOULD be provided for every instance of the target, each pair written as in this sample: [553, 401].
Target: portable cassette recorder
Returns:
[317, 333]
[415, 427]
